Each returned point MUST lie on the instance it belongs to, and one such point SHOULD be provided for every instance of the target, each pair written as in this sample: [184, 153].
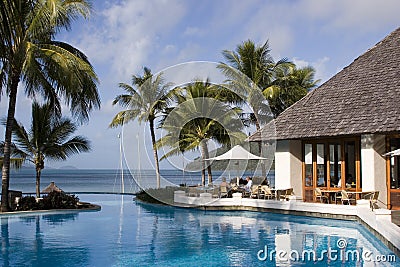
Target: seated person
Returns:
[249, 184]
[224, 183]
[265, 182]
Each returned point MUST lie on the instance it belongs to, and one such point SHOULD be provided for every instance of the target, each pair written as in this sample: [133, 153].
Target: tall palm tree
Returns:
[49, 137]
[290, 85]
[256, 62]
[198, 117]
[145, 103]
[52, 69]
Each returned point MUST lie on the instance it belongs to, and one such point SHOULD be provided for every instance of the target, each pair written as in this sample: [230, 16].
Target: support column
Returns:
[288, 166]
[373, 165]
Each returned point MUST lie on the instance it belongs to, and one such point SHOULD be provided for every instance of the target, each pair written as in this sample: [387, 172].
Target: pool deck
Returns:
[379, 221]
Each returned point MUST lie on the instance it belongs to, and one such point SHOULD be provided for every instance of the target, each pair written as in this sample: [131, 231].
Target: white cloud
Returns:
[357, 16]
[319, 65]
[128, 33]
[193, 31]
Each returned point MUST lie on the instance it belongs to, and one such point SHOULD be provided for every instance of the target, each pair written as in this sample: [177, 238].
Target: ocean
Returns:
[108, 180]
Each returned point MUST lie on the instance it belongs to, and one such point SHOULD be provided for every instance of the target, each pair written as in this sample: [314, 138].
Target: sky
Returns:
[121, 37]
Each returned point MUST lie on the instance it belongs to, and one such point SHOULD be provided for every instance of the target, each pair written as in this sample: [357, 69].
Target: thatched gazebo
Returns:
[51, 188]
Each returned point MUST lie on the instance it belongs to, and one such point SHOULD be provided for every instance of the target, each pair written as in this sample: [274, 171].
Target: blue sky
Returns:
[123, 36]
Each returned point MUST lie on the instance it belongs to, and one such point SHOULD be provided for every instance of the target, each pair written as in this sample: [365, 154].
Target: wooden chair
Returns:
[346, 198]
[286, 194]
[373, 199]
[318, 194]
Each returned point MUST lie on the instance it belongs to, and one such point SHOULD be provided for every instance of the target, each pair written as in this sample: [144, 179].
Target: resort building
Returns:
[336, 136]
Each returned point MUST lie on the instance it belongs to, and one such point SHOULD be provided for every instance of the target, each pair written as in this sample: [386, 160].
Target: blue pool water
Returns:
[130, 233]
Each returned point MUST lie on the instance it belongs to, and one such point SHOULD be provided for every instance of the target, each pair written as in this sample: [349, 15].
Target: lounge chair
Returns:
[346, 197]
[266, 192]
[255, 191]
[318, 194]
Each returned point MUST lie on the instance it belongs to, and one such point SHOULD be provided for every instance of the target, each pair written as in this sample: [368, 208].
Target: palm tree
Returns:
[256, 62]
[144, 103]
[291, 85]
[198, 117]
[51, 69]
[47, 138]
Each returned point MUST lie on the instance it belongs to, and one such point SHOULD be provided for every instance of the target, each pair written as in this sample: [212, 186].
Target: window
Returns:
[335, 165]
[394, 165]
[350, 164]
[321, 167]
[308, 160]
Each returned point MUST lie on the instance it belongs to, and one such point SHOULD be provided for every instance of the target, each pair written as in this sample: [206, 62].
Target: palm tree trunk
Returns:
[207, 155]
[38, 172]
[5, 174]
[203, 146]
[262, 163]
[153, 142]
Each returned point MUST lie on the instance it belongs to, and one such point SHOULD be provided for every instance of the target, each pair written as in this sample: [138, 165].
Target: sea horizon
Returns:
[110, 180]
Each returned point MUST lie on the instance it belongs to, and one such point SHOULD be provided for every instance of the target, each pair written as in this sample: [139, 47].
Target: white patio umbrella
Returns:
[237, 153]
[393, 153]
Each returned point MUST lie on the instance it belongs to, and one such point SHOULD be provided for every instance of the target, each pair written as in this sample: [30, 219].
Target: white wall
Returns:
[288, 166]
[373, 165]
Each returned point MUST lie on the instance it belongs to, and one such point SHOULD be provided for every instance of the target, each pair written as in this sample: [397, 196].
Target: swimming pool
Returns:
[128, 233]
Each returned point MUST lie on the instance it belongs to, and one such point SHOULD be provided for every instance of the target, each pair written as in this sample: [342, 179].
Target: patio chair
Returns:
[266, 192]
[346, 197]
[192, 192]
[318, 194]
[373, 199]
[215, 192]
[286, 194]
[223, 191]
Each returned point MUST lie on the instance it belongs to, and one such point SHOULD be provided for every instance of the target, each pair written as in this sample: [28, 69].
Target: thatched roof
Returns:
[50, 188]
[362, 98]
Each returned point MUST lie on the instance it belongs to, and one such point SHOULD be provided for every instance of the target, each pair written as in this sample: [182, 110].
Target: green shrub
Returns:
[27, 203]
[54, 200]
[59, 200]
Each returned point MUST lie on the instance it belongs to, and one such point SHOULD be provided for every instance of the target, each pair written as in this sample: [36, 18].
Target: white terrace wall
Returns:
[288, 166]
[373, 164]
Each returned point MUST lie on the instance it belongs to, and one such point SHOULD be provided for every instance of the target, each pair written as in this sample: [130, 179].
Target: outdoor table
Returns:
[330, 194]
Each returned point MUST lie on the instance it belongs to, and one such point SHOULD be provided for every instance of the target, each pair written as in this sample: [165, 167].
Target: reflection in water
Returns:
[29, 244]
[234, 238]
[54, 219]
[5, 241]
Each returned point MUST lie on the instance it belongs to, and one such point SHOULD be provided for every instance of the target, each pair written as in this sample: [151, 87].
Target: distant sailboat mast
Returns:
[121, 165]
